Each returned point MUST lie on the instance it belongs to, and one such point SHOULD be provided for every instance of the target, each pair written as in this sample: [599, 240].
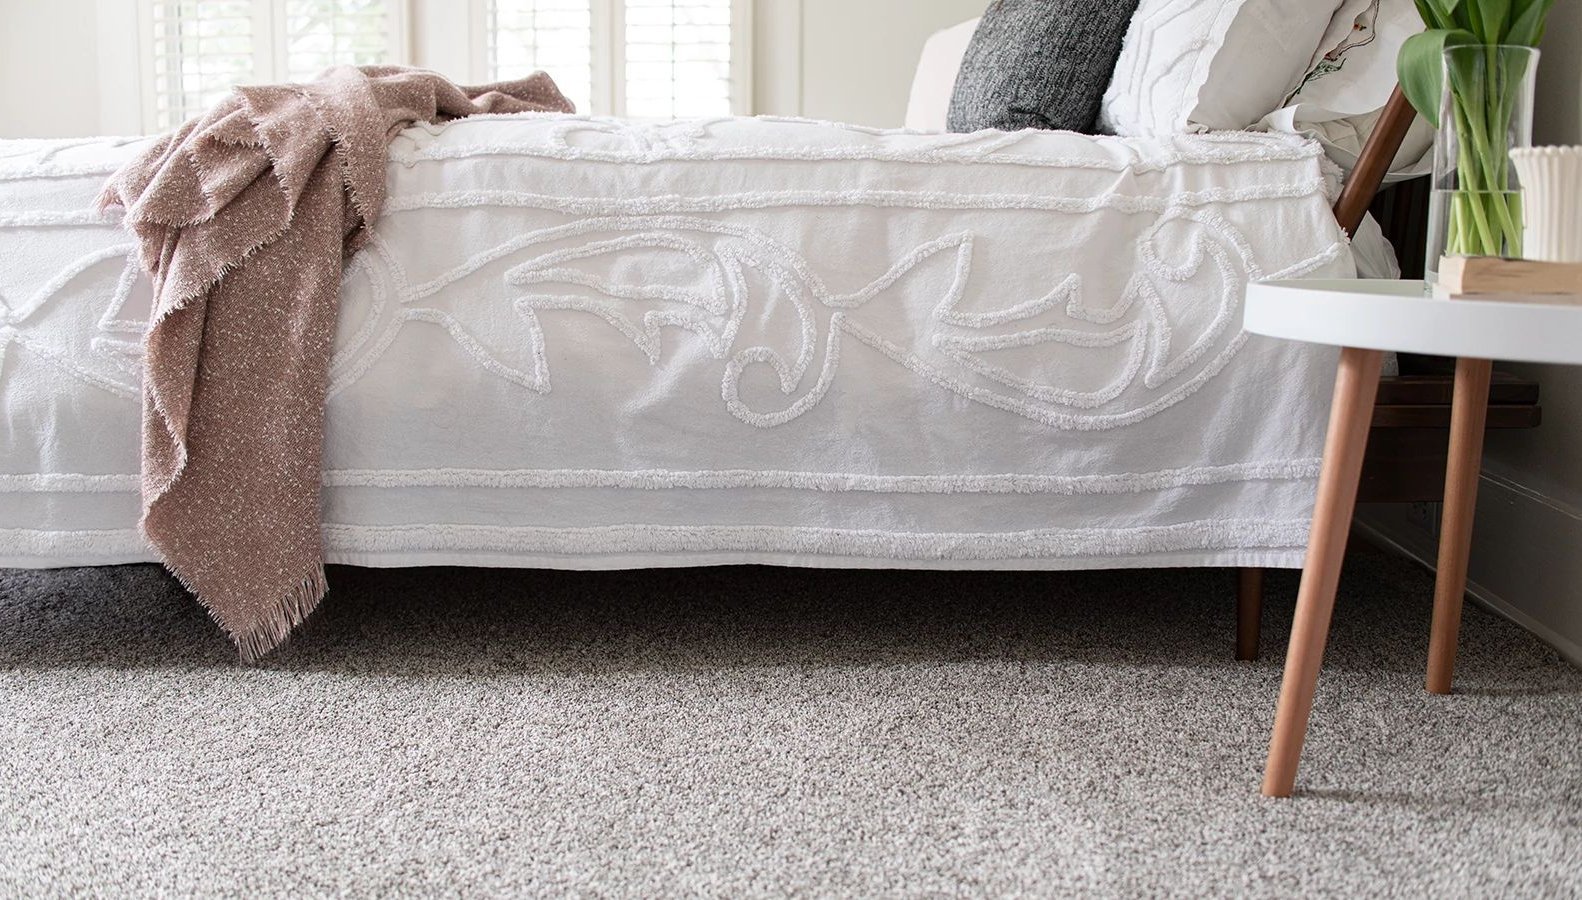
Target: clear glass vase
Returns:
[1486, 111]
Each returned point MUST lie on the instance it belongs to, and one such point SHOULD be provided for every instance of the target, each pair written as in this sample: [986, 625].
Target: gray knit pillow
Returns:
[1039, 64]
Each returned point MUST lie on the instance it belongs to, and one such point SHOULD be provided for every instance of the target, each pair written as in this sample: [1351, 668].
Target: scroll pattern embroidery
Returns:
[108, 356]
[724, 254]
[742, 267]
[567, 268]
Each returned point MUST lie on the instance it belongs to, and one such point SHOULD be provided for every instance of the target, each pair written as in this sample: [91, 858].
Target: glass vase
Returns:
[1486, 110]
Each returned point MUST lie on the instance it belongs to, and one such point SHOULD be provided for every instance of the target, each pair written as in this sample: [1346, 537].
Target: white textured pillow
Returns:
[1210, 65]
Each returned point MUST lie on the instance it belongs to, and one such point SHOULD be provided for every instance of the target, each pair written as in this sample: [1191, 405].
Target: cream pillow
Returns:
[929, 104]
[1211, 65]
[1349, 81]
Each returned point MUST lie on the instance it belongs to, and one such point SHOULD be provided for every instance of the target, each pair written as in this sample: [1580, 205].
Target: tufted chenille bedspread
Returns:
[581, 342]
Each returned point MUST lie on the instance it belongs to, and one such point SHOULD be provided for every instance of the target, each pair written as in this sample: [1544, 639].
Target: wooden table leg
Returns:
[1249, 611]
[1350, 414]
[1468, 413]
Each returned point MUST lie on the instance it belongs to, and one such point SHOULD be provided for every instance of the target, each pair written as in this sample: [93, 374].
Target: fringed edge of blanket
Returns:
[258, 640]
[291, 611]
[366, 212]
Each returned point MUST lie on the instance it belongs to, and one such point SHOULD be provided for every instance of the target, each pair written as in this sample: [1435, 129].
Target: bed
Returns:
[587, 343]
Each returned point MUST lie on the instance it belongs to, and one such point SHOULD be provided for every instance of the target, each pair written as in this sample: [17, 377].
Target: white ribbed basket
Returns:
[1551, 179]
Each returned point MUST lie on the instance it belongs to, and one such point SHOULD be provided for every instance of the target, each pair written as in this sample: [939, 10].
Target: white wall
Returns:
[49, 72]
[1526, 551]
[858, 56]
[1559, 114]
[68, 68]
[1527, 542]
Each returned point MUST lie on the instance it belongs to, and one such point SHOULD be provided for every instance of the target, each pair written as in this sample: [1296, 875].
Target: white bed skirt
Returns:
[584, 343]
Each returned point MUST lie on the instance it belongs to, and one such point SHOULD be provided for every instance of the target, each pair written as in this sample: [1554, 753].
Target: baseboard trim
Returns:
[1424, 554]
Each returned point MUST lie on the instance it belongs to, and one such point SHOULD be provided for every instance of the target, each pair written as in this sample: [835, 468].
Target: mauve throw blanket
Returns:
[245, 216]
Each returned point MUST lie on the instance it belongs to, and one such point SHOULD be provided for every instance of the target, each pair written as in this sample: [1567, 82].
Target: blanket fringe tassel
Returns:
[277, 625]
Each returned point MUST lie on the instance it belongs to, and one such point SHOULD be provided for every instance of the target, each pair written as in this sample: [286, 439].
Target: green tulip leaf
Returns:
[1420, 67]
[1527, 22]
[1490, 18]
[1436, 14]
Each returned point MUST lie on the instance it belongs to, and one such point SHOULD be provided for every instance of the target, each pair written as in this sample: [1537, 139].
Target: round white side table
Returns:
[1366, 318]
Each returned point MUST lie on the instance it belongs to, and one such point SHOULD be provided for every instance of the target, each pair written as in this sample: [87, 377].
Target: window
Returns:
[652, 59]
[194, 50]
[554, 35]
[646, 59]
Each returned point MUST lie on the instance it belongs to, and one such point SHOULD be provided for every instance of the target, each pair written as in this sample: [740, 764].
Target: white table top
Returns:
[1403, 316]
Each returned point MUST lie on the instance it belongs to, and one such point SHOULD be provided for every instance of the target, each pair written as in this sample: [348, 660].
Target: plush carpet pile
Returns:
[738, 732]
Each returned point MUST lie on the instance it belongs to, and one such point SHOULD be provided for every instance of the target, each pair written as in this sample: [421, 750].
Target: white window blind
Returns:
[554, 35]
[678, 58]
[195, 50]
[323, 33]
[198, 50]
[641, 58]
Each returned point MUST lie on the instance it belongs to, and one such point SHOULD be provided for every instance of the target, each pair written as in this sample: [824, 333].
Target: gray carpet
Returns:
[741, 732]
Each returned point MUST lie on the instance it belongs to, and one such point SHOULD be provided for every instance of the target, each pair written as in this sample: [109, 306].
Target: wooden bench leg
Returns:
[1249, 611]
[1468, 413]
[1350, 416]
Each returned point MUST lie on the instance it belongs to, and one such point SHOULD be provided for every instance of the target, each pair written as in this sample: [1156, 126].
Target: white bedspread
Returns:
[586, 343]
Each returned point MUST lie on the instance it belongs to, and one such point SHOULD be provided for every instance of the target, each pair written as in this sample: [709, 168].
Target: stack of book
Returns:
[1509, 280]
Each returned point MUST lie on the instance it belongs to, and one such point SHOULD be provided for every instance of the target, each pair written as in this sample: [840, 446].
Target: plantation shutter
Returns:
[197, 49]
[678, 58]
[652, 59]
[323, 33]
[554, 35]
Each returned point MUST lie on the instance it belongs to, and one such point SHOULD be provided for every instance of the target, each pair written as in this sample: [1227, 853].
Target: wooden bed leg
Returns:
[1350, 415]
[1468, 413]
[1249, 611]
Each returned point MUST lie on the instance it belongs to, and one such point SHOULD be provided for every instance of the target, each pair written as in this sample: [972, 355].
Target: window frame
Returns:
[427, 33]
[270, 58]
[608, 81]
